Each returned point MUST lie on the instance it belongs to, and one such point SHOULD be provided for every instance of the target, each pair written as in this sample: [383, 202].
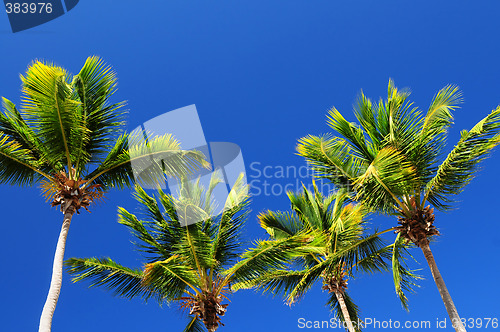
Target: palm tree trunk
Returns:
[345, 312]
[57, 270]
[443, 291]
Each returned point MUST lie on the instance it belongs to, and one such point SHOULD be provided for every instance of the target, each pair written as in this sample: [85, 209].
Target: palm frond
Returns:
[134, 159]
[106, 273]
[269, 255]
[308, 279]
[149, 242]
[355, 136]
[366, 113]
[195, 247]
[280, 225]
[331, 158]
[170, 278]
[361, 253]
[388, 177]
[439, 116]
[402, 119]
[373, 258]
[48, 107]
[17, 164]
[310, 208]
[432, 137]
[94, 85]
[404, 279]
[276, 282]
[227, 243]
[461, 164]
[14, 126]
[194, 325]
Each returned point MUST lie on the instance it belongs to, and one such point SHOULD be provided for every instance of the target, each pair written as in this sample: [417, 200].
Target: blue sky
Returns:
[262, 74]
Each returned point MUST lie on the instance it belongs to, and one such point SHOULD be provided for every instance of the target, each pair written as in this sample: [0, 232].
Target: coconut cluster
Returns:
[419, 226]
[336, 282]
[71, 195]
[207, 307]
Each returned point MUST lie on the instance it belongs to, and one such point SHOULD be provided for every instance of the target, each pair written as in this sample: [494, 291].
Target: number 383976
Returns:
[28, 8]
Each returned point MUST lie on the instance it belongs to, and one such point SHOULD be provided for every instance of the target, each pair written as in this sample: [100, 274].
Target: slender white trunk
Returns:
[57, 271]
[345, 312]
[443, 291]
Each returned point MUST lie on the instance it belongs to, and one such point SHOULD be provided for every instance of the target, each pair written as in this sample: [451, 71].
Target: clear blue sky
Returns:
[262, 74]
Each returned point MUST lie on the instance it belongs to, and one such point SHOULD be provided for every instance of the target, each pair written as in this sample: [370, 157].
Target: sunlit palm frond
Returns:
[15, 127]
[148, 241]
[111, 275]
[171, 278]
[280, 225]
[363, 253]
[354, 134]
[388, 177]
[94, 85]
[271, 255]
[227, 243]
[332, 159]
[461, 164]
[145, 161]
[275, 282]
[432, 137]
[48, 108]
[308, 279]
[439, 116]
[195, 247]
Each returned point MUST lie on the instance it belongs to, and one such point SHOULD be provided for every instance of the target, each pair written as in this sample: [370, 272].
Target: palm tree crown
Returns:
[394, 153]
[185, 263]
[392, 161]
[68, 137]
[344, 248]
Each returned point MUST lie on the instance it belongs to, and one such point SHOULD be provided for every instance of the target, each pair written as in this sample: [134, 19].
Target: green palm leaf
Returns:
[461, 164]
[17, 164]
[49, 109]
[194, 325]
[111, 275]
[151, 159]
[270, 255]
[404, 279]
[332, 159]
[94, 85]
[186, 263]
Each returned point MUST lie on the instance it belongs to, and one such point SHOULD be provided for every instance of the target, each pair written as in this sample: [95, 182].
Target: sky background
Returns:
[262, 75]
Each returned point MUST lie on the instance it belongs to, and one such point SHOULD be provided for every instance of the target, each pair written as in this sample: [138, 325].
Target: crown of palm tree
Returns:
[343, 247]
[394, 153]
[185, 263]
[391, 162]
[68, 137]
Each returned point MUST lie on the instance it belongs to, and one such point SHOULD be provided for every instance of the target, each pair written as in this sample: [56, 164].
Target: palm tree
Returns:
[345, 249]
[392, 161]
[68, 138]
[191, 264]
[185, 261]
